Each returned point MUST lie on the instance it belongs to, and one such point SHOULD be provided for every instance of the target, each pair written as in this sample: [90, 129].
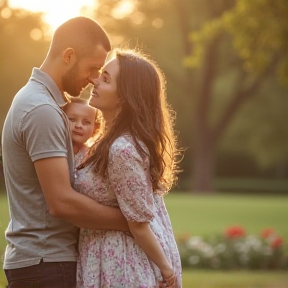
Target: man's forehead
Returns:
[97, 58]
[99, 53]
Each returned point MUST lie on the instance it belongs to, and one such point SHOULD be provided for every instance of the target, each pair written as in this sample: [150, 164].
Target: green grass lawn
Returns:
[204, 215]
[208, 214]
[237, 279]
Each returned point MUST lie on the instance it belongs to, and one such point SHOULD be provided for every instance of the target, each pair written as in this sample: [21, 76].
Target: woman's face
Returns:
[104, 95]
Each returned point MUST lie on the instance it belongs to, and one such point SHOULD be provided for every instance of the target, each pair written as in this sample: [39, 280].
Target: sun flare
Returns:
[56, 11]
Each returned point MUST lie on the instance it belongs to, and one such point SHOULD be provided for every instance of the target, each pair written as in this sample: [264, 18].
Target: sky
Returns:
[56, 11]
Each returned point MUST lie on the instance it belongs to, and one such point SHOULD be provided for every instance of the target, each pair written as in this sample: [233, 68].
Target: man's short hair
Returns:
[80, 33]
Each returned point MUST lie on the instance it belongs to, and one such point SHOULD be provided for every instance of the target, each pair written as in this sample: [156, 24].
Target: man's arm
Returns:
[65, 203]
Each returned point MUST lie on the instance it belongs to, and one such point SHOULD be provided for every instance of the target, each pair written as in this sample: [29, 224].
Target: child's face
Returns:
[82, 122]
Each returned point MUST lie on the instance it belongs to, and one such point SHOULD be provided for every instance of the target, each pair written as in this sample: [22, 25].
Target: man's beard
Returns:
[69, 81]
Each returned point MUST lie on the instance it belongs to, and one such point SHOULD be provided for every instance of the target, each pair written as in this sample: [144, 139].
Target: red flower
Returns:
[268, 232]
[276, 242]
[235, 232]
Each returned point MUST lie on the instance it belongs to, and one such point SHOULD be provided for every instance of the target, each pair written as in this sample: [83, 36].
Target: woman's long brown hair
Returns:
[146, 116]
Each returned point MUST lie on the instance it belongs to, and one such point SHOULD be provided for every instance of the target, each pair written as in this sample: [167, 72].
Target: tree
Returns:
[258, 31]
[22, 47]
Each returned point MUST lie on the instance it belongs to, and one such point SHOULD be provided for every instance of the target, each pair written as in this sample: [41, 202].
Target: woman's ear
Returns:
[120, 101]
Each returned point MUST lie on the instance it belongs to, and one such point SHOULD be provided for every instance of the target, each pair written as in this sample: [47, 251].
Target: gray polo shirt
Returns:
[35, 128]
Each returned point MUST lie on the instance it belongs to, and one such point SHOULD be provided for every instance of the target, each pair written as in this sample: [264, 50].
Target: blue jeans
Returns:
[43, 275]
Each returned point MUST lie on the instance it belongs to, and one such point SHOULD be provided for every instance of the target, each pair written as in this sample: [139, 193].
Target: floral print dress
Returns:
[110, 258]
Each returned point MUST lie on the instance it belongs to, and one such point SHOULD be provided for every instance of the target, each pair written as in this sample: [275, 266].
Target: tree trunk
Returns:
[204, 138]
[203, 161]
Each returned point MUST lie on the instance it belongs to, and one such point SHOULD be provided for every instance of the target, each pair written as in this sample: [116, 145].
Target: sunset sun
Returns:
[56, 11]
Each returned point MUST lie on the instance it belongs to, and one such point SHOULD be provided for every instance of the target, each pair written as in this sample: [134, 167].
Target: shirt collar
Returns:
[43, 78]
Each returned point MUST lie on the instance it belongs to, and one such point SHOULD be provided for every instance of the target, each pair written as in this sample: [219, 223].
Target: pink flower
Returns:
[111, 252]
[235, 232]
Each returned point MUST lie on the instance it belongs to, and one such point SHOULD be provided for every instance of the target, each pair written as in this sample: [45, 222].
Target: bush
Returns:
[233, 249]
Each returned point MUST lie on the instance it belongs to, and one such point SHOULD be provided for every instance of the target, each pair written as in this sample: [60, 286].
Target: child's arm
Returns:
[151, 246]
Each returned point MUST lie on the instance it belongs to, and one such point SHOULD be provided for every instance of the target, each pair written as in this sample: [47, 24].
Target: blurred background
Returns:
[226, 66]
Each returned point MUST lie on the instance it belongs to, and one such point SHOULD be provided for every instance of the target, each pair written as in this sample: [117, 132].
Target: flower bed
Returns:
[234, 249]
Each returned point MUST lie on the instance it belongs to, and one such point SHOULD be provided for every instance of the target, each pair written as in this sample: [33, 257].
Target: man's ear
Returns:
[69, 56]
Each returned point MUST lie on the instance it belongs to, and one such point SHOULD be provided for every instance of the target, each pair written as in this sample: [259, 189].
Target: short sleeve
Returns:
[44, 133]
[130, 181]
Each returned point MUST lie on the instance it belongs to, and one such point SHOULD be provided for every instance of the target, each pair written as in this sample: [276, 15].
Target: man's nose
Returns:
[93, 77]
[94, 81]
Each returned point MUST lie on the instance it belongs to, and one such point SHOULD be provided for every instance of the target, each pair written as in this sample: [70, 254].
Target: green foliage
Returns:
[254, 38]
[200, 38]
[259, 30]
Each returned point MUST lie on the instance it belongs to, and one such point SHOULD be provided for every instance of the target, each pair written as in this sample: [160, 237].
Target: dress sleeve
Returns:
[129, 179]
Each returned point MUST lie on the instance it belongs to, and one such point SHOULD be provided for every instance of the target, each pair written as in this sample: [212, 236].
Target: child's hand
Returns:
[169, 283]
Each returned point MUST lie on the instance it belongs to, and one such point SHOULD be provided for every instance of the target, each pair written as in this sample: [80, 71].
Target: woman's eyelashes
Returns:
[105, 77]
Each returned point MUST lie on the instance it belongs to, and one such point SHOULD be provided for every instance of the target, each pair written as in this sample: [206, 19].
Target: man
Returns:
[38, 164]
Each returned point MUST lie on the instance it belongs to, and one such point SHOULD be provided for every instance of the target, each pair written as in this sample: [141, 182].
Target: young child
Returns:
[84, 123]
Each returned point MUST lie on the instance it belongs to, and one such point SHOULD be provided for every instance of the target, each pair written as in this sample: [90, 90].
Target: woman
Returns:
[131, 165]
